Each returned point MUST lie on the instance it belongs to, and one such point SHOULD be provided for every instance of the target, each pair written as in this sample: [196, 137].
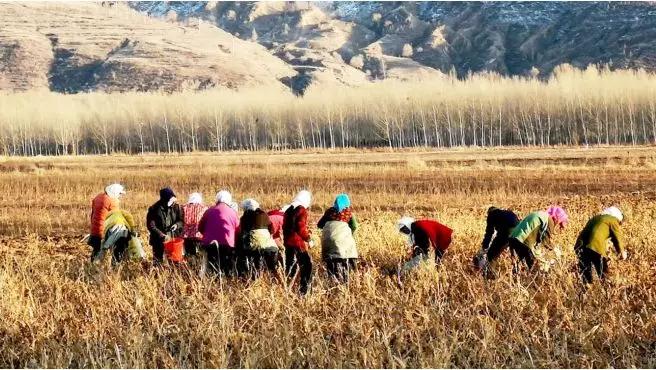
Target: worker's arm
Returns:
[323, 219]
[130, 221]
[616, 237]
[489, 231]
[302, 225]
[420, 239]
[353, 223]
[179, 224]
[151, 224]
[202, 222]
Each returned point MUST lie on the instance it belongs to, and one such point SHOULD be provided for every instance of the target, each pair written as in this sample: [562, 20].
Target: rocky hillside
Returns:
[111, 47]
[506, 37]
[177, 45]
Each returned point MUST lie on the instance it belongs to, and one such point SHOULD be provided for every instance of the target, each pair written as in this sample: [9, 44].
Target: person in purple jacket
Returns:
[219, 225]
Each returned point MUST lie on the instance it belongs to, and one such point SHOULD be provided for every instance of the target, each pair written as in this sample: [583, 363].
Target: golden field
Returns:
[57, 311]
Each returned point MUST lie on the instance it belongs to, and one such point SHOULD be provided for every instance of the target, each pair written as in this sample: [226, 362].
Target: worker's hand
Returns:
[624, 255]
[167, 238]
[311, 244]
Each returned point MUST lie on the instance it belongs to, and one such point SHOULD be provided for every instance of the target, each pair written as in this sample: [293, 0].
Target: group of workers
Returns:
[257, 241]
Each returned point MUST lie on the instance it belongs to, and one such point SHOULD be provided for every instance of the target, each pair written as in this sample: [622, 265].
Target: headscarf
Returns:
[195, 198]
[114, 190]
[405, 221]
[342, 202]
[303, 198]
[613, 211]
[166, 195]
[558, 215]
[250, 204]
[224, 196]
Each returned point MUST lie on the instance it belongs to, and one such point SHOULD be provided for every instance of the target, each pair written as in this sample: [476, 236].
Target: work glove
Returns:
[311, 244]
[167, 238]
[624, 255]
[173, 228]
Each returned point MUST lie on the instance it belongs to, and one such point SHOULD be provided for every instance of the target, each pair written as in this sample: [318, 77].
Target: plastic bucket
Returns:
[174, 250]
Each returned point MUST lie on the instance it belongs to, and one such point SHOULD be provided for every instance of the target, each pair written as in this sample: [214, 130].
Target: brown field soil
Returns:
[57, 311]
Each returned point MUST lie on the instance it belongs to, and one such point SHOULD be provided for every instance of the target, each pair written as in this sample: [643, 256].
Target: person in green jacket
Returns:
[592, 244]
[534, 231]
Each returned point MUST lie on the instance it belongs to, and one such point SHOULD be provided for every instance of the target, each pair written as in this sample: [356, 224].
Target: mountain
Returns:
[73, 47]
[180, 45]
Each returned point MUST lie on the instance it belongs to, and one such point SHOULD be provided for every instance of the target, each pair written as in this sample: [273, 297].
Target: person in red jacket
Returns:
[422, 235]
[101, 206]
[277, 217]
[297, 240]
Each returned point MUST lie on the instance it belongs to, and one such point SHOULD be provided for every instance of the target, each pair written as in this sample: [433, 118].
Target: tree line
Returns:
[573, 107]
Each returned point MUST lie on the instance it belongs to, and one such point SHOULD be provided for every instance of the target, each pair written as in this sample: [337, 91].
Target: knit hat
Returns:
[342, 202]
[558, 215]
[195, 198]
[613, 211]
[166, 194]
[405, 221]
[114, 190]
[250, 204]
[224, 196]
[303, 198]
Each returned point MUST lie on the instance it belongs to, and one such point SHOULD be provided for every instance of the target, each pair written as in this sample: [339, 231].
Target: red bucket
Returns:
[174, 250]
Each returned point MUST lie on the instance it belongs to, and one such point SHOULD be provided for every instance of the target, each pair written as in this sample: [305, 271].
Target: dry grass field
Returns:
[57, 311]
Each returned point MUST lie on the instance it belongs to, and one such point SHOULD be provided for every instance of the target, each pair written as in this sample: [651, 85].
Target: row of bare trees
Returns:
[574, 107]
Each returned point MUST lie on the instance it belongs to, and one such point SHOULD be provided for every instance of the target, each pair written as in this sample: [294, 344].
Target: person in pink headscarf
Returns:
[535, 231]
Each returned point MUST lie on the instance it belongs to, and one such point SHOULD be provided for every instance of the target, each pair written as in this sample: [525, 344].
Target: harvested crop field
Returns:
[59, 311]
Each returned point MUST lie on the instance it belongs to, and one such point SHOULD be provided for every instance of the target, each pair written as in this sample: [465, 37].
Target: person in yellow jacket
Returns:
[120, 236]
[592, 244]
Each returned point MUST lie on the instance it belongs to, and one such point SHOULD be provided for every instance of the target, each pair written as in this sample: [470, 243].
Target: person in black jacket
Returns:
[164, 221]
[500, 223]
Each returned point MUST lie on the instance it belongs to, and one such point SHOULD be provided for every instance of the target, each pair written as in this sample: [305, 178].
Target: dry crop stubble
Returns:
[59, 311]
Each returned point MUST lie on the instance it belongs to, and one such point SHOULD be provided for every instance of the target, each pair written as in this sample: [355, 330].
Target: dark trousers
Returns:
[221, 259]
[191, 246]
[423, 250]
[340, 268]
[523, 252]
[94, 242]
[295, 259]
[252, 262]
[497, 246]
[119, 249]
[588, 260]
[158, 250]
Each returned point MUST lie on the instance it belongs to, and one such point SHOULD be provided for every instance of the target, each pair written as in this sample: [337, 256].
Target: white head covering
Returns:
[303, 198]
[613, 211]
[405, 221]
[195, 198]
[250, 204]
[114, 190]
[224, 196]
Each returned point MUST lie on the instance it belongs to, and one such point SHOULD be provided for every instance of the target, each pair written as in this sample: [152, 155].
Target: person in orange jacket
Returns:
[101, 206]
